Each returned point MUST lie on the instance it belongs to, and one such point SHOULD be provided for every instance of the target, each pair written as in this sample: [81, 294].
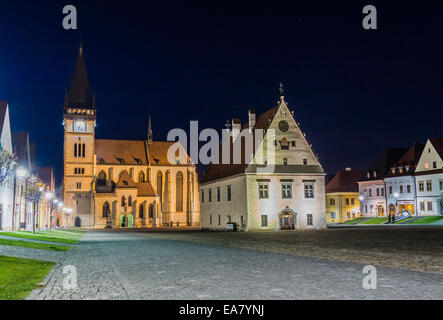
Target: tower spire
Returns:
[80, 94]
[149, 131]
[282, 92]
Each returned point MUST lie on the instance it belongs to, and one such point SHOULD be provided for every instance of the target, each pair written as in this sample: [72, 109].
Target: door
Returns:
[130, 221]
[287, 221]
[78, 222]
[123, 221]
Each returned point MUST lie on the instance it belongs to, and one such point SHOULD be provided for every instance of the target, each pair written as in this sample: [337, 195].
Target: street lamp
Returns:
[21, 174]
[49, 196]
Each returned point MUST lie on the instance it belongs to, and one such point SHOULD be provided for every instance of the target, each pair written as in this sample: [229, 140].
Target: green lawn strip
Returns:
[404, 220]
[426, 220]
[376, 221]
[55, 235]
[38, 237]
[18, 277]
[353, 221]
[63, 233]
[33, 245]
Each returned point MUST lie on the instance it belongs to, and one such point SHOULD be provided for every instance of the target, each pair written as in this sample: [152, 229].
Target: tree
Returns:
[33, 193]
[8, 162]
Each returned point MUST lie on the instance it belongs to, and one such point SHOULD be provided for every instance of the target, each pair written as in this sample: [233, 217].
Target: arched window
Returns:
[123, 201]
[141, 177]
[130, 201]
[75, 150]
[83, 151]
[141, 212]
[106, 210]
[179, 189]
[160, 185]
[151, 211]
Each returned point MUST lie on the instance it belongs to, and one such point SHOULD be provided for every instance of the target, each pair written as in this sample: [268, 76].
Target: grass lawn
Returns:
[33, 245]
[62, 233]
[379, 220]
[426, 220]
[18, 277]
[405, 220]
[353, 221]
[38, 237]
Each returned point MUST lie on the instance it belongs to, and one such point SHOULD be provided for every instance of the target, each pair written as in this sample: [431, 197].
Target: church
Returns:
[121, 183]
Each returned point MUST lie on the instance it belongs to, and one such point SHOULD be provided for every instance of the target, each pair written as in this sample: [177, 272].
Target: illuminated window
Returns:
[429, 185]
[332, 202]
[429, 206]
[347, 201]
[426, 165]
[352, 201]
[421, 186]
[422, 206]
[286, 190]
[309, 190]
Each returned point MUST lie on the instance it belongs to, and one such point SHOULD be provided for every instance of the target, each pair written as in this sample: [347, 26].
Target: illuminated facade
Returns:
[342, 197]
[121, 183]
[289, 196]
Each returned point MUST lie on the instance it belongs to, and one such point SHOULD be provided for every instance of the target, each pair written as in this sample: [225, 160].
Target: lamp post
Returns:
[396, 195]
[361, 198]
[49, 195]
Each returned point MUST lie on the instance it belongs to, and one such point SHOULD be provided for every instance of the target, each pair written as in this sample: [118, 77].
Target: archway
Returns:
[78, 222]
[123, 221]
[288, 219]
[130, 220]
[381, 211]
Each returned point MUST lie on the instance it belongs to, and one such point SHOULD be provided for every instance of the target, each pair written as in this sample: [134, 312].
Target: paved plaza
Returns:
[116, 265]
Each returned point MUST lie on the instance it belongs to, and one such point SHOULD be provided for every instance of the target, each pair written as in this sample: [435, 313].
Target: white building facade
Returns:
[290, 196]
[429, 179]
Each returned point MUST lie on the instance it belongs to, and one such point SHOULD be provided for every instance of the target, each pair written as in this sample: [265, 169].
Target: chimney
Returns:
[251, 120]
[236, 128]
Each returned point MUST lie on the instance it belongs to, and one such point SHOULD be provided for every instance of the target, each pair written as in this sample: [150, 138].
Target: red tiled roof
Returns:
[344, 181]
[125, 181]
[144, 189]
[120, 152]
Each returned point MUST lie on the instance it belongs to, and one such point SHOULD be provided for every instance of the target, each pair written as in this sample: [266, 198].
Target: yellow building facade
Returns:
[121, 183]
[342, 197]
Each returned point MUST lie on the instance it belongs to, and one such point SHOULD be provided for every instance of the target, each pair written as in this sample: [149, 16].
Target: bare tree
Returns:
[33, 194]
[8, 162]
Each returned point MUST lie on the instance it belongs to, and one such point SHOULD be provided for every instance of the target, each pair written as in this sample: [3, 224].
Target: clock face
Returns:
[79, 126]
[283, 126]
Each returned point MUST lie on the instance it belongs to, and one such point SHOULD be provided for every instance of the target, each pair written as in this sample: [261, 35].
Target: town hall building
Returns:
[121, 183]
[280, 185]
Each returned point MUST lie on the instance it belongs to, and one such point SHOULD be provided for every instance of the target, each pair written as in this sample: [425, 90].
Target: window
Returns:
[429, 185]
[365, 191]
[429, 206]
[141, 177]
[141, 212]
[309, 190]
[332, 215]
[426, 165]
[370, 192]
[352, 201]
[179, 192]
[285, 161]
[401, 189]
[286, 190]
[151, 211]
[123, 202]
[408, 188]
[106, 210]
[210, 195]
[264, 220]
[422, 206]
[75, 171]
[382, 192]
[228, 193]
[332, 202]
[441, 185]
[263, 189]
[366, 208]
[219, 219]
[229, 219]
[218, 194]
[310, 220]
[434, 164]
[293, 143]
[210, 219]
[421, 186]
[347, 201]
[390, 189]
[305, 162]
[377, 191]
[130, 201]
[79, 185]
[83, 151]
[203, 196]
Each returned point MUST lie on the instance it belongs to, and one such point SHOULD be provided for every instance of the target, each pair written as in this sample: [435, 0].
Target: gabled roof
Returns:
[220, 171]
[3, 108]
[125, 181]
[80, 94]
[144, 189]
[384, 163]
[409, 159]
[131, 152]
[344, 181]
[21, 148]
[438, 145]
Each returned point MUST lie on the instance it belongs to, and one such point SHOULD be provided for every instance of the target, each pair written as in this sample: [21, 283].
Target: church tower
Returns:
[79, 118]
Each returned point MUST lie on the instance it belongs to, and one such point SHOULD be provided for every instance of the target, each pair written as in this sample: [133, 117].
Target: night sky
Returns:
[355, 92]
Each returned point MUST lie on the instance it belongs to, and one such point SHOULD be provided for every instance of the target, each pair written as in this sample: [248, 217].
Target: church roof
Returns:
[344, 181]
[158, 153]
[145, 189]
[3, 108]
[132, 152]
[80, 94]
[220, 171]
[125, 181]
